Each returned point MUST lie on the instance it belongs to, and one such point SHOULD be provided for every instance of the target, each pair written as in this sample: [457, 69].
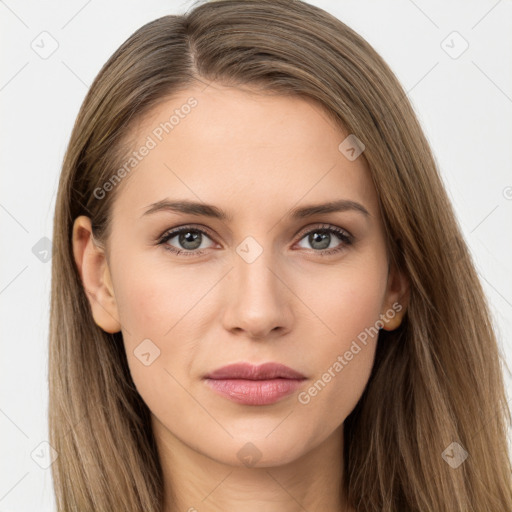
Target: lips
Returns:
[248, 384]
[251, 372]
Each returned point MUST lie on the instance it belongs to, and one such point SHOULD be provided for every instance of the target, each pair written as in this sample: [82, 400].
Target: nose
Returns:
[258, 298]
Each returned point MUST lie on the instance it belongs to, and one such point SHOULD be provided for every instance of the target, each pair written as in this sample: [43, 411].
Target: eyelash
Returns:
[346, 238]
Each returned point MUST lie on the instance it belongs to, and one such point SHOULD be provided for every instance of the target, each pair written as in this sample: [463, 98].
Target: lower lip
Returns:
[254, 392]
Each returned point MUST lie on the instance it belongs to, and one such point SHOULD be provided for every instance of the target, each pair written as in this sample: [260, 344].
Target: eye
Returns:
[189, 239]
[322, 237]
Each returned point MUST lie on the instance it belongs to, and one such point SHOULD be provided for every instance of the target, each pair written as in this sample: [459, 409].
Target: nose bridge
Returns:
[252, 266]
[253, 262]
[257, 301]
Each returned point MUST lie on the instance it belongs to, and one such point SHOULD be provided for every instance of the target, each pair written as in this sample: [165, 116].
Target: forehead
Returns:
[229, 145]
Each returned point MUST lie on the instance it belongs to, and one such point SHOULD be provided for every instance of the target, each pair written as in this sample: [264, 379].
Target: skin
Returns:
[257, 156]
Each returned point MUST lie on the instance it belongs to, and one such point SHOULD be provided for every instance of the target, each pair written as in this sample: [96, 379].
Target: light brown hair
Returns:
[437, 379]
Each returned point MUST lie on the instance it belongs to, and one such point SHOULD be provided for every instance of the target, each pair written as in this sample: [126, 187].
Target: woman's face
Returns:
[256, 285]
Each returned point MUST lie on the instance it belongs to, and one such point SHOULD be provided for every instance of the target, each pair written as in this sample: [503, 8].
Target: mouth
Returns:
[248, 384]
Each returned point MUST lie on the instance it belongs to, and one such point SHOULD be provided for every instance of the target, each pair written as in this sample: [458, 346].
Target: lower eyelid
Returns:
[344, 237]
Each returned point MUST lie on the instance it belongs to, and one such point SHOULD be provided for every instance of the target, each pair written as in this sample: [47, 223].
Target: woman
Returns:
[261, 298]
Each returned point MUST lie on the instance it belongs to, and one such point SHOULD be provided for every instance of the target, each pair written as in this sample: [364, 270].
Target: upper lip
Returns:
[254, 372]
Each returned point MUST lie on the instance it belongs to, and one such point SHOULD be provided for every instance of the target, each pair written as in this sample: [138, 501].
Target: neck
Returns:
[195, 482]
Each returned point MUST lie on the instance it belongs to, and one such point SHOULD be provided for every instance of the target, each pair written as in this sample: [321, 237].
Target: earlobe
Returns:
[93, 268]
[396, 301]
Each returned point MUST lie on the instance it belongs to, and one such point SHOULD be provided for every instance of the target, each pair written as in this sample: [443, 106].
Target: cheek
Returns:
[349, 308]
[162, 310]
[153, 297]
[346, 298]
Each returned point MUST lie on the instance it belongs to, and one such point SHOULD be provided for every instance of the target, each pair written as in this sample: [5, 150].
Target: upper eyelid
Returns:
[320, 226]
[171, 233]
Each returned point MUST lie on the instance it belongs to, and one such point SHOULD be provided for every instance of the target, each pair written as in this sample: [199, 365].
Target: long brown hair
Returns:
[436, 380]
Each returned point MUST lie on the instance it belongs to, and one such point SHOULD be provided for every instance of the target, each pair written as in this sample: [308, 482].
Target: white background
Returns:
[464, 105]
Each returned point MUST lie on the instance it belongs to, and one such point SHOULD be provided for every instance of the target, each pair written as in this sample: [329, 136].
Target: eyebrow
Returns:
[209, 210]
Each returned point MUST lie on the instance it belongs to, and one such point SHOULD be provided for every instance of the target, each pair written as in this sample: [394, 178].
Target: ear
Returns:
[396, 299]
[92, 266]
